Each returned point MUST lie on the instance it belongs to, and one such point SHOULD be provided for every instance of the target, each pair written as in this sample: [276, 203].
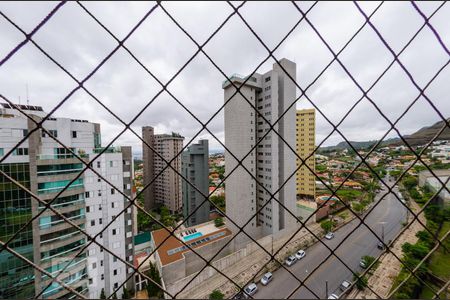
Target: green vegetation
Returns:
[153, 290]
[102, 294]
[357, 207]
[218, 222]
[126, 293]
[348, 195]
[321, 168]
[216, 295]
[327, 225]
[361, 282]
[219, 201]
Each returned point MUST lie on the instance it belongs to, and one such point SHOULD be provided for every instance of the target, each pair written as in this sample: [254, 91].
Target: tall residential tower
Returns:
[272, 163]
[195, 169]
[45, 167]
[166, 188]
[305, 132]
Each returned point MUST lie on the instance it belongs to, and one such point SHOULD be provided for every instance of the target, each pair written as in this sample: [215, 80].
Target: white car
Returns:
[266, 278]
[291, 260]
[300, 254]
[344, 285]
[363, 264]
[251, 289]
[329, 235]
[333, 296]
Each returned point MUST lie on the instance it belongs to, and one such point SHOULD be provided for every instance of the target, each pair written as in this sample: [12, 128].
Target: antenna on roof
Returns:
[28, 99]
[19, 100]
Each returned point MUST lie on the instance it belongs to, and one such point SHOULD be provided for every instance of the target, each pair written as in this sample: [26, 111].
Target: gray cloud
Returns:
[74, 39]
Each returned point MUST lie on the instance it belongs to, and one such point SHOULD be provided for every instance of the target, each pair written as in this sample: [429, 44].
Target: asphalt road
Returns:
[390, 213]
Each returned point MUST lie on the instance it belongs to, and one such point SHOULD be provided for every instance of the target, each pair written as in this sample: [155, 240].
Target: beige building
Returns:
[305, 134]
[166, 188]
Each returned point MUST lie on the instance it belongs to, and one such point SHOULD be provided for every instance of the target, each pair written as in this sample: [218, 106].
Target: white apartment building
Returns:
[271, 162]
[45, 167]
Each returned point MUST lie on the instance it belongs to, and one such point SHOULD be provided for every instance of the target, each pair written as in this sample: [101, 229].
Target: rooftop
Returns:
[197, 236]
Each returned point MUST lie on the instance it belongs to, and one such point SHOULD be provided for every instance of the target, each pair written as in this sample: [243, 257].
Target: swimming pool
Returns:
[192, 236]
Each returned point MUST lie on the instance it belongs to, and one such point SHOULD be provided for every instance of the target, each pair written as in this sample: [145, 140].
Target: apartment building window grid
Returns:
[302, 14]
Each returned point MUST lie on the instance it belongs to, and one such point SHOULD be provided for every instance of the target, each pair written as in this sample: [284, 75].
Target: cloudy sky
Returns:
[77, 42]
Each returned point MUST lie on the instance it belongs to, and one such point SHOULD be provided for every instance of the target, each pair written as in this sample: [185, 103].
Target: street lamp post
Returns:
[326, 288]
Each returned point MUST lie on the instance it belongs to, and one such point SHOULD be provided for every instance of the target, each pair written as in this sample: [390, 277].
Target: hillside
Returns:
[420, 137]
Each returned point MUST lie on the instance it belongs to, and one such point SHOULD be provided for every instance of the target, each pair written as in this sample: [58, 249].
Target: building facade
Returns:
[194, 166]
[305, 135]
[272, 163]
[165, 187]
[45, 167]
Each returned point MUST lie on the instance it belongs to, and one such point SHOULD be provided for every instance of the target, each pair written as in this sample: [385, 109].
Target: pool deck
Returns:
[160, 235]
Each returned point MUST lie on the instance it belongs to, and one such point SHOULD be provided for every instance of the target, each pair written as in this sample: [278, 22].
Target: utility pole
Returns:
[326, 288]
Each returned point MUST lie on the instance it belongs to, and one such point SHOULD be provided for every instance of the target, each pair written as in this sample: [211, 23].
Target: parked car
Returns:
[333, 296]
[291, 260]
[251, 289]
[363, 264]
[266, 278]
[329, 235]
[300, 254]
[380, 246]
[344, 285]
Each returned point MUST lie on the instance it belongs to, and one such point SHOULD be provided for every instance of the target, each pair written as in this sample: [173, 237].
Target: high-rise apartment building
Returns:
[166, 188]
[272, 163]
[305, 133]
[45, 167]
[194, 166]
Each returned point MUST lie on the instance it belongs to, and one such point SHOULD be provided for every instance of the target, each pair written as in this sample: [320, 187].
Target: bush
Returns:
[218, 222]
[216, 295]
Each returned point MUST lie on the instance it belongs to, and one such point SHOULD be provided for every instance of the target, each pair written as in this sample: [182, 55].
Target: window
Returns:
[94, 265]
[267, 79]
[113, 191]
[114, 232]
[2, 151]
[92, 222]
[114, 259]
[99, 207]
[99, 164]
[99, 193]
[25, 132]
[99, 180]
[116, 285]
[91, 252]
[91, 281]
[100, 221]
[102, 277]
[115, 272]
[20, 151]
[112, 204]
[86, 195]
[74, 134]
[88, 209]
[101, 263]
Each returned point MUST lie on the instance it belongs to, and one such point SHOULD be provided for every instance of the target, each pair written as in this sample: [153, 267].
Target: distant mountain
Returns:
[420, 137]
[425, 134]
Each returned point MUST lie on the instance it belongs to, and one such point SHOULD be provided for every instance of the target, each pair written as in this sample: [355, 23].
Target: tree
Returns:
[126, 294]
[327, 225]
[102, 294]
[216, 295]
[361, 282]
[368, 259]
[153, 290]
[114, 296]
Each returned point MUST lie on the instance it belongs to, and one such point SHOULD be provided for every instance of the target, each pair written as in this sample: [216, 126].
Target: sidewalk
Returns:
[382, 279]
